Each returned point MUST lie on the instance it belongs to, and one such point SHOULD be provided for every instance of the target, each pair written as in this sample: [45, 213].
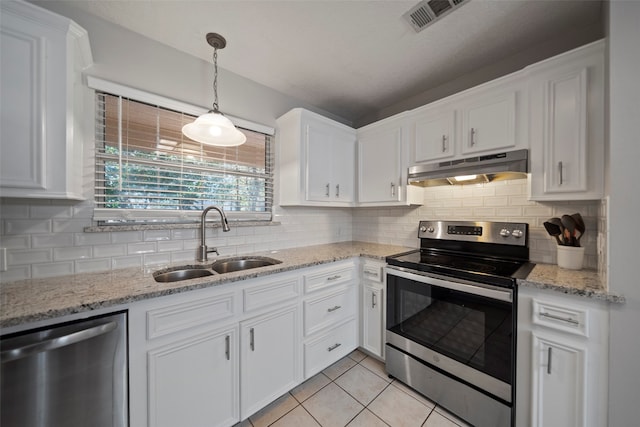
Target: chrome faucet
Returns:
[202, 252]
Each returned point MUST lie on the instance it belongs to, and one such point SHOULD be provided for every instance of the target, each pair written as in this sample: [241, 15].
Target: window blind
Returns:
[146, 170]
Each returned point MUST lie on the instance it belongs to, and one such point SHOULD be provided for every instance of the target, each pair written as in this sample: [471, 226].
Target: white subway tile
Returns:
[126, 236]
[50, 270]
[27, 226]
[72, 253]
[170, 246]
[70, 225]
[52, 240]
[126, 262]
[183, 256]
[15, 242]
[13, 211]
[50, 211]
[82, 239]
[141, 248]
[513, 211]
[93, 265]
[12, 274]
[472, 202]
[155, 235]
[539, 210]
[102, 251]
[30, 256]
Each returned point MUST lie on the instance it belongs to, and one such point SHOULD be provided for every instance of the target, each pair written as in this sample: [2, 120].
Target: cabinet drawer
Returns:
[328, 277]
[178, 317]
[330, 347]
[372, 272]
[573, 320]
[265, 294]
[329, 309]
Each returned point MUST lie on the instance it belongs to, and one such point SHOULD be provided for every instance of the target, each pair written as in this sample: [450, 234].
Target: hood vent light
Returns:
[428, 11]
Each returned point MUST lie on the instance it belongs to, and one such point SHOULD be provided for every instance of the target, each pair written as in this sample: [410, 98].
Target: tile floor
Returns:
[353, 392]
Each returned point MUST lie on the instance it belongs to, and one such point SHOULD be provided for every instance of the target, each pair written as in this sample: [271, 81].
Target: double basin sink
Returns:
[222, 266]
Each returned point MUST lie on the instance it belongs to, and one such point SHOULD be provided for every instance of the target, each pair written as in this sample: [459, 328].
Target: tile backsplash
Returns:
[47, 238]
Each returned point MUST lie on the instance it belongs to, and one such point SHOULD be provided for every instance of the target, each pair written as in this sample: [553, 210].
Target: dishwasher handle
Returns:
[54, 343]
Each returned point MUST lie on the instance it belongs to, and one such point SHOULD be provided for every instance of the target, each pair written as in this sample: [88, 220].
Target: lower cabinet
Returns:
[372, 308]
[562, 360]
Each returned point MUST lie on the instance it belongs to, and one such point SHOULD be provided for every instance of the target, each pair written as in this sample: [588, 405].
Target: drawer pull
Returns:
[336, 277]
[371, 273]
[334, 308]
[562, 319]
[333, 347]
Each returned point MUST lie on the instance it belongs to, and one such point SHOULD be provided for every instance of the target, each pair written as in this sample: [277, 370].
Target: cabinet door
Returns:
[558, 389]
[380, 166]
[433, 135]
[319, 141]
[343, 167]
[269, 358]
[489, 123]
[372, 315]
[194, 381]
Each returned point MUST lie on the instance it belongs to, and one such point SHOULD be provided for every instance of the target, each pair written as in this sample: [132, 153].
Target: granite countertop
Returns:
[34, 300]
[585, 283]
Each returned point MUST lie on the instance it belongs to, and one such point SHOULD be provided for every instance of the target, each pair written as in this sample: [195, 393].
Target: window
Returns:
[147, 170]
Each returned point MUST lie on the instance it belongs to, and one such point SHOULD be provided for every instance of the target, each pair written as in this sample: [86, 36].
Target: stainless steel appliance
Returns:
[68, 375]
[451, 317]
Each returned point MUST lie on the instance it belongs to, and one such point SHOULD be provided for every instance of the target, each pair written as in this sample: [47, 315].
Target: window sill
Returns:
[173, 226]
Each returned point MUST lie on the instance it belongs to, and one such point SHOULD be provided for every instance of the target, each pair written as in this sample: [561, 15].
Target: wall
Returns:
[497, 201]
[624, 209]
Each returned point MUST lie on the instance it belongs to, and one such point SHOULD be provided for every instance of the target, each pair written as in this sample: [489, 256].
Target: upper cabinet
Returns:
[317, 160]
[383, 160]
[42, 132]
[567, 125]
[486, 119]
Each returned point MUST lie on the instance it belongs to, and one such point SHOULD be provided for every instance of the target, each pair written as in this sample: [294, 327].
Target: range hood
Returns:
[472, 170]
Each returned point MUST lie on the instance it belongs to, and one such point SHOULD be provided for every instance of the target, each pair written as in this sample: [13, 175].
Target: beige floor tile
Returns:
[452, 417]
[398, 409]
[411, 392]
[299, 417]
[438, 420]
[357, 355]
[339, 368]
[273, 411]
[332, 406]
[362, 384]
[366, 418]
[375, 366]
[310, 387]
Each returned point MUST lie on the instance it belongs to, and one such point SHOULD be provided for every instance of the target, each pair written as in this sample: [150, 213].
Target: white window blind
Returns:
[146, 170]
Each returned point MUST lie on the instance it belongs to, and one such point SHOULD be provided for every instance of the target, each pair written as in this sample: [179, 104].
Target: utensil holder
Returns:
[570, 257]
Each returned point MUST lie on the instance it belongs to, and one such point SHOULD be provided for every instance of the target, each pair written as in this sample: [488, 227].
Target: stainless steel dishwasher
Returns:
[71, 375]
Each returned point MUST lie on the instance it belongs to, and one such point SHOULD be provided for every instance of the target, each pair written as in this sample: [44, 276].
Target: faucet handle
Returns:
[213, 250]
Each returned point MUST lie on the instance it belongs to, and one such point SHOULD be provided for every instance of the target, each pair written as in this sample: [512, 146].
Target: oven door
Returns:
[464, 329]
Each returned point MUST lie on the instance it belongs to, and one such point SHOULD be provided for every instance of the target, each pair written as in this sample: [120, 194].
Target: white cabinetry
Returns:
[562, 360]
[330, 315]
[373, 308]
[567, 125]
[433, 133]
[489, 122]
[43, 98]
[383, 159]
[317, 160]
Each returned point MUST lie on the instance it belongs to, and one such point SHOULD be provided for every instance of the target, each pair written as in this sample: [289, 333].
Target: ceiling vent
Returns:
[428, 11]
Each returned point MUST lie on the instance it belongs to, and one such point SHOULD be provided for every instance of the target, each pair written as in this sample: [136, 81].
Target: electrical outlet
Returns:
[3, 259]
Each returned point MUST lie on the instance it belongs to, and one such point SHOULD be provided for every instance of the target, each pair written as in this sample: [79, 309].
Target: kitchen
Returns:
[60, 225]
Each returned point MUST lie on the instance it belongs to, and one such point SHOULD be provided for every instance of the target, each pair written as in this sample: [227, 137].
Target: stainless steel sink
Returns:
[182, 274]
[242, 263]
[222, 266]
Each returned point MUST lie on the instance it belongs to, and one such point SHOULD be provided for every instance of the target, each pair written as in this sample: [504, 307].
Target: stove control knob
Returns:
[423, 229]
[431, 229]
[517, 233]
[505, 233]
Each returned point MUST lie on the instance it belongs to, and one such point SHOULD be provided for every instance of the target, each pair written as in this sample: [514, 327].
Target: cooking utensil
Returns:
[558, 222]
[553, 230]
[580, 227]
[570, 230]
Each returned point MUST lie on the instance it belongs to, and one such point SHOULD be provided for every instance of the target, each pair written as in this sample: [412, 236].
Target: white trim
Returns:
[97, 83]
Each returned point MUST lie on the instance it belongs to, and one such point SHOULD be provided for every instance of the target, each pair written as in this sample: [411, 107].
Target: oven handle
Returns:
[456, 285]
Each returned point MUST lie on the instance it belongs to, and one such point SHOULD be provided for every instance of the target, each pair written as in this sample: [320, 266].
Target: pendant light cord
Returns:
[215, 80]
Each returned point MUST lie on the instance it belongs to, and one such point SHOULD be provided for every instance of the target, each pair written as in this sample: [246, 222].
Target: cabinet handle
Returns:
[327, 192]
[333, 347]
[252, 343]
[331, 278]
[337, 190]
[227, 345]
[560, 171]
[334, 308]
[473, 137]
[549, 360]
[373, 300]
[444, 143]
[393, 189]
[562, 319]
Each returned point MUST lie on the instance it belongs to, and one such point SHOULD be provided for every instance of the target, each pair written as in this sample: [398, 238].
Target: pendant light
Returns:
[213, 128]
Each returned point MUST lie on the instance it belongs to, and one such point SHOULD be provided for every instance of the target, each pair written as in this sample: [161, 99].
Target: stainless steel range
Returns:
[451, 316]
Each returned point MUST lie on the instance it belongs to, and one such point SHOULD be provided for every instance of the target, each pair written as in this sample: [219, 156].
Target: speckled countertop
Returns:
[34, 300]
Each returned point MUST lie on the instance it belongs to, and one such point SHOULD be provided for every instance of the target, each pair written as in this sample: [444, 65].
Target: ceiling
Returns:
[350, 58]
